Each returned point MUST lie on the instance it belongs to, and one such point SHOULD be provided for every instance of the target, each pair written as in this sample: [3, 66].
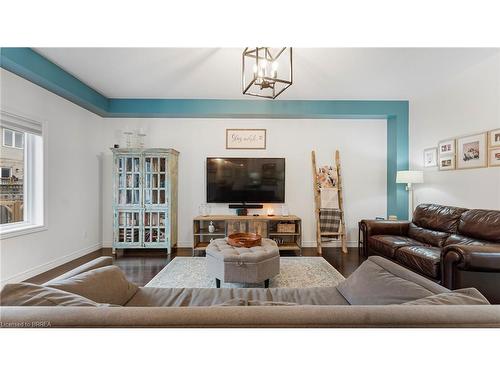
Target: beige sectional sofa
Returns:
[379, 294]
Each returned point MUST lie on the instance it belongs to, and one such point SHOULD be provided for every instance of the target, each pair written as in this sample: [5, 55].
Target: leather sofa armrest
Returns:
[374, 227]
[473, 257]
[484, 258]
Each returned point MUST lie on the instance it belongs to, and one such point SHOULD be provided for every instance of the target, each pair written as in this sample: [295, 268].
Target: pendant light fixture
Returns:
[266, 72]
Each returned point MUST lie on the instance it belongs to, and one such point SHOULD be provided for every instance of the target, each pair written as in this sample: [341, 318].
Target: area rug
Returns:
[295, 272]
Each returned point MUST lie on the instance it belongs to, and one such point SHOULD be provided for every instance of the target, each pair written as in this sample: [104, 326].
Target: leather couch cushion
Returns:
[436, 217]
[423, 259]
[481, 224]
[26, 294]
[428, 236]
[378, 281]
[103, 285]
[386, 244]
[183, 297]
[458, 239]
[468, 296]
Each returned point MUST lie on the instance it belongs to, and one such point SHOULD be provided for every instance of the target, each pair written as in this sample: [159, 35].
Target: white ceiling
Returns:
[215, 73]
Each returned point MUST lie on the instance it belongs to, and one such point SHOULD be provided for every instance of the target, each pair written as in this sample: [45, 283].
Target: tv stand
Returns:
[287, 237]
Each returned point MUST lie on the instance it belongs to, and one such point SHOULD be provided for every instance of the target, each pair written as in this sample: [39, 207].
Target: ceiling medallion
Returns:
[266, 72]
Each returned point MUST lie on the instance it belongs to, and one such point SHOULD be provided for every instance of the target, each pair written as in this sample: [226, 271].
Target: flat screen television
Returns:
[245, 180]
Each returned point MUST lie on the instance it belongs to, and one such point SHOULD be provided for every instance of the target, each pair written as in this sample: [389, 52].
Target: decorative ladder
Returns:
[317, 199]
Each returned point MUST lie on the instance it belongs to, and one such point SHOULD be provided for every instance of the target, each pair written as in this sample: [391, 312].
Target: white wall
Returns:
[466, 104]
[362, 144]
[74, 186]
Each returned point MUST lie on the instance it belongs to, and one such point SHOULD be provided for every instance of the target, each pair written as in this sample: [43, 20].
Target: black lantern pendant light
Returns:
[266, 72]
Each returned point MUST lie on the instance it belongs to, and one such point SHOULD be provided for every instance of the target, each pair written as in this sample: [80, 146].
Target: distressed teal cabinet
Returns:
[145, 198]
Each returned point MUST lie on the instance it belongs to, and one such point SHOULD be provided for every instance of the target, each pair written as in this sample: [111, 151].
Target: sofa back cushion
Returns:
[427, 236]
[458, 239]
[103, 285]
[438, 218]
[480, 224]
[26, 294]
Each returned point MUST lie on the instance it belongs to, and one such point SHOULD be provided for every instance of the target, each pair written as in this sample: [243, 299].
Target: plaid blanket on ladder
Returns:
[329, 220]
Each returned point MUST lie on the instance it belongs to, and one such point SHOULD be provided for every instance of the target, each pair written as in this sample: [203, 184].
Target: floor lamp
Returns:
[409, 178]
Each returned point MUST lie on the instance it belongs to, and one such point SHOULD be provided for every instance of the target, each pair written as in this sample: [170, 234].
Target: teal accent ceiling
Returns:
[32, 66]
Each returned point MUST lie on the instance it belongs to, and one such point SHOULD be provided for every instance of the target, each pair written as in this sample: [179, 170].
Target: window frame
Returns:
[35, 210]
[10, 171]
[14, 133]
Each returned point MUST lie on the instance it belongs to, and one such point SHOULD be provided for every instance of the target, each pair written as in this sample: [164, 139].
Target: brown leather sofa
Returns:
[453, 246]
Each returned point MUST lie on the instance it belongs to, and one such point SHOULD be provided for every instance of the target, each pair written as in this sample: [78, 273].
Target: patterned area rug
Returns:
[295, 272]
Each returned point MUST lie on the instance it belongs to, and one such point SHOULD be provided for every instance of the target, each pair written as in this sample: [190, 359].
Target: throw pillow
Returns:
[103, 285]
[372, 284]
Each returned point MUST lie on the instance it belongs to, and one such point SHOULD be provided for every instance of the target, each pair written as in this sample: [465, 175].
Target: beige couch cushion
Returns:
[183, 297]
[93, 264]
[102, 285]
[26, 294]
[379, 281]
[468, 296]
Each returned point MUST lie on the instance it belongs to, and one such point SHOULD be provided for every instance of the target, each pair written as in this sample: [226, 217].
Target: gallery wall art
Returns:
[494, 148]
[466, 152]
[471, 151]
[430, 157]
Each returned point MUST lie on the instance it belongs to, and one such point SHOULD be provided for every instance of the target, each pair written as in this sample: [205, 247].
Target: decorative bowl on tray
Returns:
[244, 239]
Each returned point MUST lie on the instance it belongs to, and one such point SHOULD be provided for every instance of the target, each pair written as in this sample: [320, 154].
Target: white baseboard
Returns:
[50, 265]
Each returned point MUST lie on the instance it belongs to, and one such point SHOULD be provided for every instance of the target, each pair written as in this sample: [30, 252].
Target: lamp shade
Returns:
[410, 177]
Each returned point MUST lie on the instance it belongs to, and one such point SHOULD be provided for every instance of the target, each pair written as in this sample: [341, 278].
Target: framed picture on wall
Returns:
[494, 136]
[430, 157]
[472, 151]
[447, 147]
[447, 163]
[245, 139]
[494, 157]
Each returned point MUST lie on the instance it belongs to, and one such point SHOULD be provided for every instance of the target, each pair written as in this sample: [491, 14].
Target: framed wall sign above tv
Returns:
[245, 180]
[245, 139]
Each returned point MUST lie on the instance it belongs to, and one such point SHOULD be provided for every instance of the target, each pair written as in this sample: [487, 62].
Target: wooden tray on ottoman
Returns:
[244, 239]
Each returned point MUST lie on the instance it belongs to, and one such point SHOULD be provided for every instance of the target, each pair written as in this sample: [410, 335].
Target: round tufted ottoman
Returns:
[243, 265]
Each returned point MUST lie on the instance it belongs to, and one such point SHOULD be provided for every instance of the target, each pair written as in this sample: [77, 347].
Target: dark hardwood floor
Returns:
[141, 267]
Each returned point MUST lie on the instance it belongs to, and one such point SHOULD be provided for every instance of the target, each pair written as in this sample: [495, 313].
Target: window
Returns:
[6, 172]
[12, 138]
[22, 187]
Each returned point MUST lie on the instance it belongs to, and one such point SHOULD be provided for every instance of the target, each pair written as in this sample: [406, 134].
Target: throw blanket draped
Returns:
[329, 220]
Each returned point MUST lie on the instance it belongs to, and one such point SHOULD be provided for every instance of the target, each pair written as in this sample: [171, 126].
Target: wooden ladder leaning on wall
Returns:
[341, 234]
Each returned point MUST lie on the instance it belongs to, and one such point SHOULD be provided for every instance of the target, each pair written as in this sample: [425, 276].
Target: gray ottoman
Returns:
[243, 265]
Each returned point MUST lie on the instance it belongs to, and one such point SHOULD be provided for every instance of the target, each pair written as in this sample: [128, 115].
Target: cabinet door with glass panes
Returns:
[155, 200]
[155, 229]
[155, 181]
[128, 228]
[129, 180]
[127, 200]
